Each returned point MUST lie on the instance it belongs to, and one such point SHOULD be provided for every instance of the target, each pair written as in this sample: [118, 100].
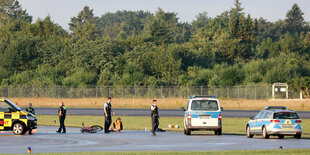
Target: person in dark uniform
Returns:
[155, 117]
[107, 115]
[62, 116]
[30, 110]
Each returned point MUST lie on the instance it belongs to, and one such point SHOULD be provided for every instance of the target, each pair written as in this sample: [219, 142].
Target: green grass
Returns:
[238, 152]
[230, 125]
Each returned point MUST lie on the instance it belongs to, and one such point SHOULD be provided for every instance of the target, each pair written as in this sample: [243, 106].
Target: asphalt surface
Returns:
[146, 112]
[46, 140]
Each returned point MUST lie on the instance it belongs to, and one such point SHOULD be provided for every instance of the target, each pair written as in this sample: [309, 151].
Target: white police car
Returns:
[275, 121]
[203, 113]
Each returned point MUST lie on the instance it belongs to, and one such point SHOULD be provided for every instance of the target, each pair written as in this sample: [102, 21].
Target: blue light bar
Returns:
[202, 96]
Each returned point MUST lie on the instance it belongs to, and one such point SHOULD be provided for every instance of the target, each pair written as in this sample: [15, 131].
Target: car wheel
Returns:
[280, 136]
[265, 134]
[18, 129]
[248, 132]
[188, 132]
[297, 136]
[219, 132]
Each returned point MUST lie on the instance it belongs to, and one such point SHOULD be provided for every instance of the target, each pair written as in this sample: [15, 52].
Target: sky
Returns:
[61, 11]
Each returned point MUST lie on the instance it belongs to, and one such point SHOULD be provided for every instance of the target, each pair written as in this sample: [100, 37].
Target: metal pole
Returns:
[273, 91]
[174, 91]
[238, 91]
[245, 92]
[286, 91]
[255, 92]
[227, 92]
[267, 92]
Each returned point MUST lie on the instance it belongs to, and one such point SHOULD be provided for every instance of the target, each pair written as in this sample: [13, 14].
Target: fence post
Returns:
[245, 92]
[267, 92]
[227, 92]
[255, 92]
[8, 89]
[201, 90]
[238, 91]
[173, 91]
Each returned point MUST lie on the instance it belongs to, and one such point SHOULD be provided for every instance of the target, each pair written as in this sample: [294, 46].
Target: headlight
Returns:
[30, 117]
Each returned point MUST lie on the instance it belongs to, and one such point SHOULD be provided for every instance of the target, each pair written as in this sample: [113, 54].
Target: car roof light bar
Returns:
[202, 96]
[275, 108]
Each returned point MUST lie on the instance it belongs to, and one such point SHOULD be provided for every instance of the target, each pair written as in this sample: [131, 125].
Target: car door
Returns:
[5, 115]
[254, 124]
[265, 119]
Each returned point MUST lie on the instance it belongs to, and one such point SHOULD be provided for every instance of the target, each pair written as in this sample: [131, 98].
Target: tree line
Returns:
[139, 48]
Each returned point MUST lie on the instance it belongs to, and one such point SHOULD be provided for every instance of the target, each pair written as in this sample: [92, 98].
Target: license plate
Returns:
[204, 116]
[287, 126]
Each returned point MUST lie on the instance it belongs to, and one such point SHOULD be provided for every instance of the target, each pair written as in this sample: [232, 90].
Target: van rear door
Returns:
[205, 113]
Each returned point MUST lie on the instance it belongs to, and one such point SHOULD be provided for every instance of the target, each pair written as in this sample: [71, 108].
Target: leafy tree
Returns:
[84, 18]
[294, 21]
[10, 10]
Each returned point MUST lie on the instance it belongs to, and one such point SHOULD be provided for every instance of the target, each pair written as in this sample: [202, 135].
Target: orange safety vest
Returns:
[117, 125]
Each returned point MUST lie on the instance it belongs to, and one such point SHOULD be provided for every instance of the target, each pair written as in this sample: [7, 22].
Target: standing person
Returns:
[107, 115]
[62, 116]
[30, 110]
[155, 117]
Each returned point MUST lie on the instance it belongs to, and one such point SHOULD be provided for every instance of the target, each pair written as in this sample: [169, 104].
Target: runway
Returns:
[47, 140]
[146, 112]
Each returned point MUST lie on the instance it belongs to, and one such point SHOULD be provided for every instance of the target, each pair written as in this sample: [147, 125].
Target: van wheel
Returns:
[218, 132]
[188, 132]
[297, 136]
[248, 132]
[18, 129]
[265, 134]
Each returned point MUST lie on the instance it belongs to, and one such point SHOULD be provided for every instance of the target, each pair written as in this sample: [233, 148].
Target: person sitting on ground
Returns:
[117, 125]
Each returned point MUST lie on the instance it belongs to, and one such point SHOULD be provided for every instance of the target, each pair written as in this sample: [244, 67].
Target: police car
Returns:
[275, 121]
[12, 118]
[203, 113]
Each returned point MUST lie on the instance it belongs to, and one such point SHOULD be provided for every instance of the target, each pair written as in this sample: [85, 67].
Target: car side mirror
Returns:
[11, 109]
[222, 109]
[252, 118]
[182, 108]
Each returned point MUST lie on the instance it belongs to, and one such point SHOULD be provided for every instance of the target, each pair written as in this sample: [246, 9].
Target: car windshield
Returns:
[285, 115]
[15, 106]
[204, 105]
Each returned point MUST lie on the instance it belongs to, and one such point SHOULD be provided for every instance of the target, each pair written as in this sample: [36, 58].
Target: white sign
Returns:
[283, 89]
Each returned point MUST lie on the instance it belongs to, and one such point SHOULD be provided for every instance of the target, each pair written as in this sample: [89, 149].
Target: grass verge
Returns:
[163, 103]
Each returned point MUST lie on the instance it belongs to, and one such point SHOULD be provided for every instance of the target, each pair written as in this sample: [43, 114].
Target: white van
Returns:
[203, 113]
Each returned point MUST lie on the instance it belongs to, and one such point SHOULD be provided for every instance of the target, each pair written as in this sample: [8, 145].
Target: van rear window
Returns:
[210, 105]
[285, 115]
